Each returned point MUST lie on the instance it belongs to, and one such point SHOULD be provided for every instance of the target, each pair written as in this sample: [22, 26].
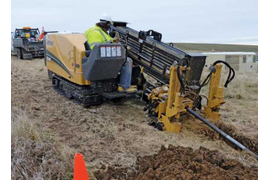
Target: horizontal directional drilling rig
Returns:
[171, 91]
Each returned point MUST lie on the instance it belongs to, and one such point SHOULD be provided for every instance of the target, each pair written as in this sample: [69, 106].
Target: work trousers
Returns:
[126, 72]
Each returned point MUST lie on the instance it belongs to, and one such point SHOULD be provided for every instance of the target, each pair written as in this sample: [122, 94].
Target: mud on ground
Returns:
[116, 135]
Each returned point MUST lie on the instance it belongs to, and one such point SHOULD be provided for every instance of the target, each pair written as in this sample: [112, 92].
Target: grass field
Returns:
[48, 129]
[197, 47]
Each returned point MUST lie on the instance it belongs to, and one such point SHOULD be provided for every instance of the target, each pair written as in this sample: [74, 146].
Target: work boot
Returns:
[134, 86]
[130, 90]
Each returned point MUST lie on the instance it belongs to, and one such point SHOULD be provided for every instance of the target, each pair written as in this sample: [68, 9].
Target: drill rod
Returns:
[235, 142]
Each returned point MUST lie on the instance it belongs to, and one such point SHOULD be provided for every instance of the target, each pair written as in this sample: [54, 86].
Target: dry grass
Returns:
[35, 153]
[244, 86]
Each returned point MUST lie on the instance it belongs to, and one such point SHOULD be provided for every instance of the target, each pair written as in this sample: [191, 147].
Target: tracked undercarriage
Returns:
[88, 95]
[85, 96]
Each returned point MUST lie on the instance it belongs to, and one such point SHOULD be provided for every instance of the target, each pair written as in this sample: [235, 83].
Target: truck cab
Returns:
[26, 44]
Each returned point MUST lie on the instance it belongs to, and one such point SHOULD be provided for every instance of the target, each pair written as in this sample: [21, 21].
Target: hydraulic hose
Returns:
[235, 142]
[182, 89]
[230, 76]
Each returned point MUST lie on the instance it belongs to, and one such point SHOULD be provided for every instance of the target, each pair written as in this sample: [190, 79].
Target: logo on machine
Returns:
[50, 43]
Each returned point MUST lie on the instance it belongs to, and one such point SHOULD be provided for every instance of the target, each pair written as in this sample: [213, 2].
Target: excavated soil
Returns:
[116, 136]
[183, 163]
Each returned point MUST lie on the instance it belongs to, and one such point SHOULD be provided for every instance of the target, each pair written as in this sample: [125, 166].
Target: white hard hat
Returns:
[106, 17]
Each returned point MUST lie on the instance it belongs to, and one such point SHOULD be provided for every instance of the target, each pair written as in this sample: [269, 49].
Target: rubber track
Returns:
[78, 90]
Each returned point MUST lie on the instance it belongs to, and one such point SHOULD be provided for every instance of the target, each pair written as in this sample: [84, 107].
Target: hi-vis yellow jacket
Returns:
[96, 35]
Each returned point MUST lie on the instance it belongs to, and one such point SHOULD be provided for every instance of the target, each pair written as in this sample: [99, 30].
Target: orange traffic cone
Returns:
[80, 171]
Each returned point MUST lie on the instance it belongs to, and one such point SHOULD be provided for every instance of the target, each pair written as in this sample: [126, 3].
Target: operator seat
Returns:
[87, 51]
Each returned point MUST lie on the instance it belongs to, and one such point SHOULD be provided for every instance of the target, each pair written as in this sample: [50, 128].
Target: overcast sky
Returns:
[201, 21]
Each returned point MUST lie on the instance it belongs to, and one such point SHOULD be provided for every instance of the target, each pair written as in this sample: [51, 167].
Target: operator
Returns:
[99, 34]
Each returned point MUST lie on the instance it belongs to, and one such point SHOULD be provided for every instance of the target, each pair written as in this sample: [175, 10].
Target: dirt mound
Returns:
[183, 163]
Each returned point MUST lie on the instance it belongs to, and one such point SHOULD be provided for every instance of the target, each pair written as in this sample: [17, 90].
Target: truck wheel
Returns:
[19, 53]
[26, 55]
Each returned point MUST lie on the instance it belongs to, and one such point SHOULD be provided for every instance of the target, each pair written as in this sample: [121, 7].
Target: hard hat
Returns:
[106, 17]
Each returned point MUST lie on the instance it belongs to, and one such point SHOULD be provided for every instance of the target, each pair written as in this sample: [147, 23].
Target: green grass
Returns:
[199, 47]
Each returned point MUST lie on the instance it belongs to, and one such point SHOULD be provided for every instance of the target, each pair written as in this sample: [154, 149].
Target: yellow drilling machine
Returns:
[173, 84]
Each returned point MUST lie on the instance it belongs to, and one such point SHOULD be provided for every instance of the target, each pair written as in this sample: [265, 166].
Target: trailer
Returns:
[242, 62]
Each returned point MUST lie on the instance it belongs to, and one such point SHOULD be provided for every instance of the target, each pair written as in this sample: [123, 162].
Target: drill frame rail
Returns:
[156, 57]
